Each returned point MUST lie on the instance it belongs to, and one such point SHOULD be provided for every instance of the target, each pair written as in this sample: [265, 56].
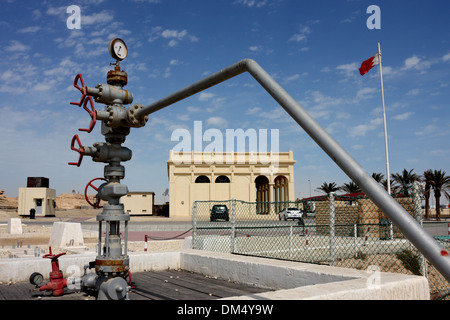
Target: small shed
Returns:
[138, 203]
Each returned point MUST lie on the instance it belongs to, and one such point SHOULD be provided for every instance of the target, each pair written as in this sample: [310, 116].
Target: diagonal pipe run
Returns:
[412, 230]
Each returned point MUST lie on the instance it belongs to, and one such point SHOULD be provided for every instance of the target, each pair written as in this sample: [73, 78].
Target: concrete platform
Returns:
[283, 280]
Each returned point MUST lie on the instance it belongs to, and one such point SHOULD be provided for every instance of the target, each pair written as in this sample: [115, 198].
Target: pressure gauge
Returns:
[36, 278]
[118, 49]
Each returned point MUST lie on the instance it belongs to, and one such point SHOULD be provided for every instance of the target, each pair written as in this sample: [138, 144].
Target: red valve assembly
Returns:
[96, 203]
[57, 283]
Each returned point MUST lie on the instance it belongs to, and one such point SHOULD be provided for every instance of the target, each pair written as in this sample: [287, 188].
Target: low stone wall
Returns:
[369, 218]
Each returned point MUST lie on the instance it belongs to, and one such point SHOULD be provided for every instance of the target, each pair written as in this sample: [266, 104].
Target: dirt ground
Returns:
[32, 237]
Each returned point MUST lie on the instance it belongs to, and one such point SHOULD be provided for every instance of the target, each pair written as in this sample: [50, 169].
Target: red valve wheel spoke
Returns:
[96, 203]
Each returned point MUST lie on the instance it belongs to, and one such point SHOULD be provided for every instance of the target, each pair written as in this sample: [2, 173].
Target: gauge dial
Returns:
[36, 278]
[118, 49]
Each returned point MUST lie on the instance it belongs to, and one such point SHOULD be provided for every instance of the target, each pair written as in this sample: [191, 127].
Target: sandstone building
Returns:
[250, 176]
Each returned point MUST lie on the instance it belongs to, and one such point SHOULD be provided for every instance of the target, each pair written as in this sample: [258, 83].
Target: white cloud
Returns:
[301, 35]
[57, 11]
[193, 109]
[148, 1]
[36, 14]
[31, 29]
[16, 46]
[253, 3]
[427, 130]
[174, 36]
[446, 57]
[417, 63]
[102, 17]
[362, 129]
[205, 96]
[217, 122]
[291, 78]
[253, 111]
[403, 116]
[348, 69]
[413, 92]
[323, 101]
[365, 93]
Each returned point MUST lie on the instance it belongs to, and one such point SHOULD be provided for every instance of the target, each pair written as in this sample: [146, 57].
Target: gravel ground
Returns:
[38, 236]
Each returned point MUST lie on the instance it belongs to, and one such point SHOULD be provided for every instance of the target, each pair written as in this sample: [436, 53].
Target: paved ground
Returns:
[161, 285]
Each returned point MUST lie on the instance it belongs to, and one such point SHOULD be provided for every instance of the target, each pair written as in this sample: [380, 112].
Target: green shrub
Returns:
[410, 261]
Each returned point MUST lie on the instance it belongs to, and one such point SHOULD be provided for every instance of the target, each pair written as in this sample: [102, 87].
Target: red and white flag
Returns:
[369, 64]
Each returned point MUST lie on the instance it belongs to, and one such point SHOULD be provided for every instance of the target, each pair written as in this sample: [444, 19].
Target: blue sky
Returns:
[312, 48]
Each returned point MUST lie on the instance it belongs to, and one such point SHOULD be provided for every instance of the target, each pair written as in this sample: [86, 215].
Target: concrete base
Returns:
[66, 234]
[290, 280]
[14, 226]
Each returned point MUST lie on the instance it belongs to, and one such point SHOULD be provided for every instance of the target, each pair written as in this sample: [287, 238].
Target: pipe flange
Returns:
[110, 119]
[133, 121]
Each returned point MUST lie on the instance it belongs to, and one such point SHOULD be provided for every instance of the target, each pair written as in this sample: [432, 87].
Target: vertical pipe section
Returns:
[423, 241]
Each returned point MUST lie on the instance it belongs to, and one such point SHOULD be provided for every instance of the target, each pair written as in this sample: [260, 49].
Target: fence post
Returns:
[332, 228]
[417, 204]
[233, 226]
[194, 224]
[291, 234]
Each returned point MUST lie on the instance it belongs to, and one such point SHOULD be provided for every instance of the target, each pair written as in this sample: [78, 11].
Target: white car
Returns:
[290, 213]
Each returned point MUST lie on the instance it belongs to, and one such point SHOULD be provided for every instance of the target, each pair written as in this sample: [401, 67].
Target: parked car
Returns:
[290, 213]
[219, 212]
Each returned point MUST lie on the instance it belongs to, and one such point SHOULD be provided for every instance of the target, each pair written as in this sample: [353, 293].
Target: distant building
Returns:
[138, 203]
[251, 177]
[37, 196]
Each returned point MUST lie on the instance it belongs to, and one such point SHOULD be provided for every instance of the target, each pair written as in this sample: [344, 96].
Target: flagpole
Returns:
[384, 120]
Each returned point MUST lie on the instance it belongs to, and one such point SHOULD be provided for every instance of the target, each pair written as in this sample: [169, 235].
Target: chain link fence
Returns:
[342, 231]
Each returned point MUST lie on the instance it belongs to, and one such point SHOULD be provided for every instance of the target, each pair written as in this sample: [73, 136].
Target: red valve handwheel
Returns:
[96, 204]
[52, 256]
[83, 101]
[80, 150]
[82, 89]
[91, 112]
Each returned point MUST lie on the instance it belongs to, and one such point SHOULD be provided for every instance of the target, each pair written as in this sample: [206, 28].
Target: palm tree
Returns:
[379, 177]
[350, 187]
[405, 180]
[328, 187]
[427, 177]
[439, 182]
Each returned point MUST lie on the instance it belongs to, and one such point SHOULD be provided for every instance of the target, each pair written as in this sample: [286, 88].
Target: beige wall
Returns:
[29, 198]
[241, 169]
[138, 203]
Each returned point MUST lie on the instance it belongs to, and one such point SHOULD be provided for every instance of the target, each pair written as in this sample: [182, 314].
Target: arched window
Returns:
[222, 179]
[262, 195]
[202, 179]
